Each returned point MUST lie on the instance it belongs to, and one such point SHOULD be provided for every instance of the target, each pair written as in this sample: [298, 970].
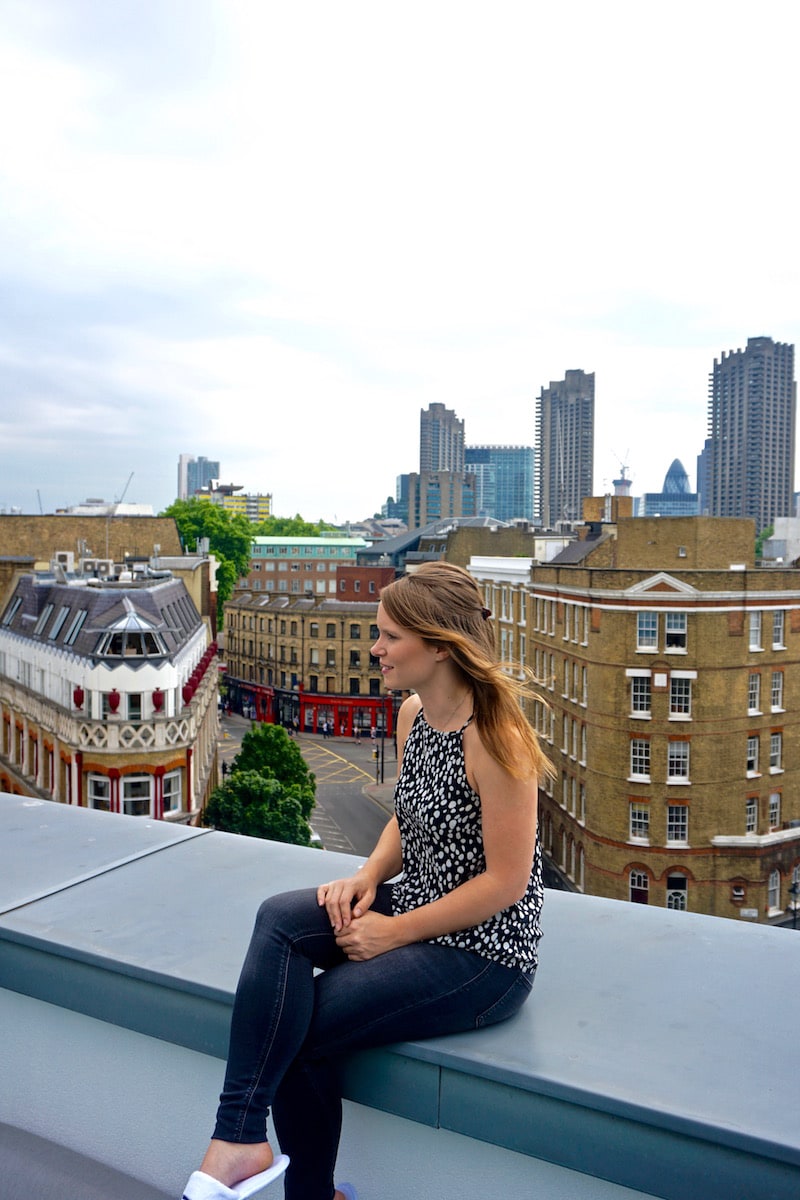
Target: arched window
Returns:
[639, 887]
[677, 892]
[774, 890]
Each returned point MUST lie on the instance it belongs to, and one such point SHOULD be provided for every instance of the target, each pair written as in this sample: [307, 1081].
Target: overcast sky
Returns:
[272, 232]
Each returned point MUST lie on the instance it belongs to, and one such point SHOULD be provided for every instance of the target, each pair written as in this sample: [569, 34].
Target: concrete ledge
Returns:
[640, 1058]
[37, 1169]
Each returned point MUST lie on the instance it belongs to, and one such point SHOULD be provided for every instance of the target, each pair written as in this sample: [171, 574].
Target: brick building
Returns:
[668, 665]
[297, 566]
[108, 693]
[306, 658]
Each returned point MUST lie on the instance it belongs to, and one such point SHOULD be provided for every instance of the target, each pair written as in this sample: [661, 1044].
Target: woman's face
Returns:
[407, 661]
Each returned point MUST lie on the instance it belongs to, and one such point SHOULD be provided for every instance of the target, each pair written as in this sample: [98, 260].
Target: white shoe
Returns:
[205, 1187]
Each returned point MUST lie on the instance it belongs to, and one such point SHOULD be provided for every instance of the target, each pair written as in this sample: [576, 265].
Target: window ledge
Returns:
[680, 716]
[753, 774]
[776, 770]
[677, 779]
[638, 779]
[641, 716]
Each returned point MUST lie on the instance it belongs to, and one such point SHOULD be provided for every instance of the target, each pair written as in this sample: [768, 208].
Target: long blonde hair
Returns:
[442, 603]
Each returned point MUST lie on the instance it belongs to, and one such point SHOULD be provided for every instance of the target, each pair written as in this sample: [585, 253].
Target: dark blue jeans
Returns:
[291, 1025]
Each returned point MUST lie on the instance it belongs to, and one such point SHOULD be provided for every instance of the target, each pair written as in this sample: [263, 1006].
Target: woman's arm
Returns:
[508, 807]
[346, 898]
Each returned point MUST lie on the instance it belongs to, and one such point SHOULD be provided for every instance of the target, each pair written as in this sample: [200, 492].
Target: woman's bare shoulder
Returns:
[408, 711]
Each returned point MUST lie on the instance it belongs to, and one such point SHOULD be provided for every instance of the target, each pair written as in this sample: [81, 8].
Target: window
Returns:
[640, 696]
[753, 693]
[640, 758]
[677, 891]
[639, 821]
[776, 752]
[330, 630]
[677, 823]
[55, 629]
[313, 629]
[98, 792]
[752, 755]
[172, 791]
[12, 610]
[134, 706]
[675, 631]
[647, 631]
[678, 762]
[44, 618]
[776, 696]
[751, 815]
[778, 621]
[75, 627]
[355, 660]
[639, 887]
[774, 889]
[680, 696]
[137, 795]
[755, 630]
[775, 810]
[330, 658]
[355, 687]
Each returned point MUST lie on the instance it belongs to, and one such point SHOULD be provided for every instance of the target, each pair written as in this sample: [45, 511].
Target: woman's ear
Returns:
[442, 652]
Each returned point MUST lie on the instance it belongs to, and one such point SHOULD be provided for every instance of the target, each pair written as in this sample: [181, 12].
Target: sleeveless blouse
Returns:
[439, 816]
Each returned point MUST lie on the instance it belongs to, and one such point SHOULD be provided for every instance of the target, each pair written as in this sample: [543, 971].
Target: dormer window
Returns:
[131, 637]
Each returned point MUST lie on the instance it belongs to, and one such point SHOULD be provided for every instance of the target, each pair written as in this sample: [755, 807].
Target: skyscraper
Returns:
[503, 481]
[676, 498]
[752, 399]
[564, 448]
[194, 474]
[441, 440]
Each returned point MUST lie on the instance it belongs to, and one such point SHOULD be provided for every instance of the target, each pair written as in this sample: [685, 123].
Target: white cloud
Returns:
[270, 233]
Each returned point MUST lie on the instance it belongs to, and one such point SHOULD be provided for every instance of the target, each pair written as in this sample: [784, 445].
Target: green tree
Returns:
[258, 806]
[268, 750]
[290, 527]
[230, 538]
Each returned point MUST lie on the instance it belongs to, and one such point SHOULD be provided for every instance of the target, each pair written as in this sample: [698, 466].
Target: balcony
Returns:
[646, 1062]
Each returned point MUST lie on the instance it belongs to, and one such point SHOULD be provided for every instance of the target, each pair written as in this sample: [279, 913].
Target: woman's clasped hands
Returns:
[359, 932]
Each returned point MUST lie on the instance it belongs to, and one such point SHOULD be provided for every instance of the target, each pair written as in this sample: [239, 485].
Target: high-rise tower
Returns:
[564, 448]
[752, 399]
[441, 440]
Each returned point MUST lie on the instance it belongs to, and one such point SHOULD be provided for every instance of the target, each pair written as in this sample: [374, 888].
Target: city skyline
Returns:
[198, 253]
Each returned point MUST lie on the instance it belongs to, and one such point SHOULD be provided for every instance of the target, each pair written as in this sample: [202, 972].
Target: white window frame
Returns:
[127, 784]
[173, 790]
[775, 810]
[680, 706]
[754, 692]
[647, 625]
[678, 758]
[677, 824]
[640, 756]
[752, 756]
[641, 695]
[776, 692]
[98, 789]
[678, 898]
[755, 629]
[751, 815]
[779, 629]
[676, 630]
[639, 822]
[776, 753]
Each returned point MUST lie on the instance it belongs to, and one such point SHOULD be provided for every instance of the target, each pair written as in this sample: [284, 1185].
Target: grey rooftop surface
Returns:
[658, 1050]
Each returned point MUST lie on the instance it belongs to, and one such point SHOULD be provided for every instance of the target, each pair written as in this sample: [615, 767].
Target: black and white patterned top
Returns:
[439, 816]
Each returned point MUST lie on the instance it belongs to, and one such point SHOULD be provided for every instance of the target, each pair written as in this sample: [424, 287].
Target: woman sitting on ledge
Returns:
[450, 946]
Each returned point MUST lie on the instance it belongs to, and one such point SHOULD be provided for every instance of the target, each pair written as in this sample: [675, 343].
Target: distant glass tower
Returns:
[503, 481]
[564, 448]
[752, 399]
[199, 474]
[441, 440]
[675, 499]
